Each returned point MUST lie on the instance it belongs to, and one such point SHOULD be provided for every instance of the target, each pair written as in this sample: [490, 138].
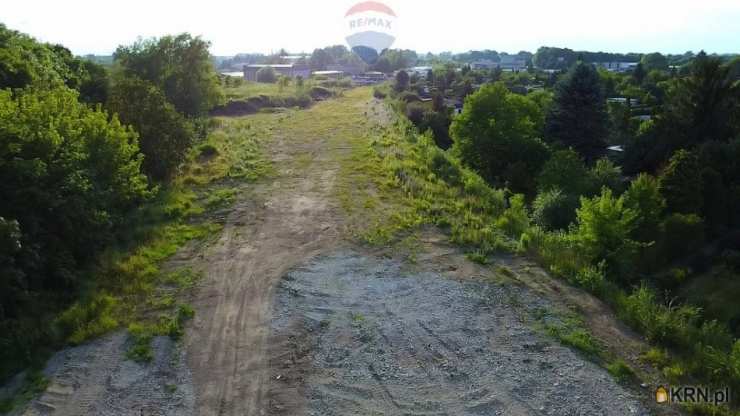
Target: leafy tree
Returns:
[164, 134]
[606, 173]
[24, 61]
[180, 66]
[496, 134]
[554, 210]
[654, 61]
[578, 116]
[565, 171]
[680, 183]
[639, 73]
[644, 197]
[68, 174]
[603, 228]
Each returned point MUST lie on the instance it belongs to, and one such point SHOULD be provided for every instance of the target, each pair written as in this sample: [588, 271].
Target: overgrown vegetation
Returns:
[97, 197]
[635, 243]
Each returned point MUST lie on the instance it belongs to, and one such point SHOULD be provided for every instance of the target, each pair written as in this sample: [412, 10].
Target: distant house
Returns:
[328, 74]
[617, 66]
[369, 78]
[420, 71]
[288, 70]
[484, 64]
[512, 63]
[624, 101]
[506, 63]
[349, 69]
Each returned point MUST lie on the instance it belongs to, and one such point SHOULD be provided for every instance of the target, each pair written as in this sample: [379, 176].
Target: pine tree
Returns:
[578, 116]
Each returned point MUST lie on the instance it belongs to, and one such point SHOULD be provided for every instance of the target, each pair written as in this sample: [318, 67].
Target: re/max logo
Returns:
[693, 394]
[370, 21]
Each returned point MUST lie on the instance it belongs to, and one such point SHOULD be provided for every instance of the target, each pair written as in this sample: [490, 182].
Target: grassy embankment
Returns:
[426, 186]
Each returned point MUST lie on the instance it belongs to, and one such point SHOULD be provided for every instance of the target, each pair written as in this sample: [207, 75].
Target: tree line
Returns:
[81, 147]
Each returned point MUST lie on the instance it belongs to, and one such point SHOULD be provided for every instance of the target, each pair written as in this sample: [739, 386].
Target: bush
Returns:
[164, 135]
[566, 171]
[681, 236]
[320, 93]
[415, 113]
[553, 210]
[605, 173]
[379, 94]
[515, 220]
[643, 196]
[603, 227]
[267, 75]
[410, 97]
[681, 183]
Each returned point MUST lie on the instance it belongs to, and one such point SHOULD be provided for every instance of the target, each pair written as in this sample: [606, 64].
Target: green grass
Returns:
[621, 371]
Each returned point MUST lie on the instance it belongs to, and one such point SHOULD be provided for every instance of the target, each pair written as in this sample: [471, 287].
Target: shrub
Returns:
[603, 227]
[553, 210]
[410, 97]
[379, 94]
[415, 113]
[643, 196]
[606, 173]
[620, 371]
[164, 134]
[320, 93]
[515, 219]
[566, 171]
[591, 278]
[681, 183]
[267, 75]
[682, 235]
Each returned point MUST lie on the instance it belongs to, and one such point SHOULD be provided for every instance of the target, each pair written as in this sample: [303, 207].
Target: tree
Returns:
[267, 75]
[654, 61]
[681, 183]
[578, 116]
[702, 106]
[496, 135]
[565, 171]
[639, 73]
[68, 175]
[164, 134]
[603, 228]
[402, 81]
[643, 196]
[180, 66]
[554, 210]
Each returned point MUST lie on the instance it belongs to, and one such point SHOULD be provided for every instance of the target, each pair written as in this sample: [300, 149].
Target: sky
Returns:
[98, 27]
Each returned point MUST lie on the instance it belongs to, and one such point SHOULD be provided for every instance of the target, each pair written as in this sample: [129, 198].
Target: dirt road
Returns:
[292, 319]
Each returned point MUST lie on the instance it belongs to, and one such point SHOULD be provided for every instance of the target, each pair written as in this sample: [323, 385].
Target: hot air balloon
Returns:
[370, 29]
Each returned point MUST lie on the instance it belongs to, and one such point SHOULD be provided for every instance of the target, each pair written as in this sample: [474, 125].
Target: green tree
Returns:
[644, 197]
[554, 210]
[180, 66]
[496, 135]
[578, 116]
[164, 134]
[566, 171]
[68, 175]
[681, 183]
[654, 61]
[603, 228]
